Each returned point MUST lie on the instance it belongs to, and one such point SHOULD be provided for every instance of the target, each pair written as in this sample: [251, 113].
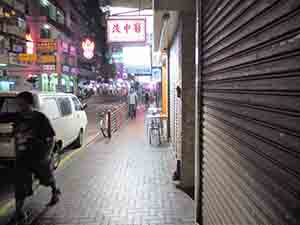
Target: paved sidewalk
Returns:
[121, 182]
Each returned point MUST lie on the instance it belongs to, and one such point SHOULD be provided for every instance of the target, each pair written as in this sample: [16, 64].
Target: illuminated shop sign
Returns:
[66, 69]
[65, 47]
[126, 30]
[49, 67]
[74, 70]
[29, 44]
[17, 48]
[72, 51]
[27, 58]
[46, 45]
[88, 47]
[47, 59]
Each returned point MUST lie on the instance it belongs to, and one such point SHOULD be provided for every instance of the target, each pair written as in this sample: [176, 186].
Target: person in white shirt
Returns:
[132, 103]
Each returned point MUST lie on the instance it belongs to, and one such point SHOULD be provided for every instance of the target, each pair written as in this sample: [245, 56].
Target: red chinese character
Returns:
[127, 27]
[116, 28]
[137, 27]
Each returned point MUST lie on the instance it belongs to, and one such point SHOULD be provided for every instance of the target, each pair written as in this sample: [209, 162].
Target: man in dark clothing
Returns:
[35, 140]
[147, 99]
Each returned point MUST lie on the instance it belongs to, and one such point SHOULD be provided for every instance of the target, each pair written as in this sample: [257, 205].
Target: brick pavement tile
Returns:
[123, 182]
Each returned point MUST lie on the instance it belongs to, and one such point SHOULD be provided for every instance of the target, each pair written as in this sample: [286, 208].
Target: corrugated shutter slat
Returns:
[251, 111]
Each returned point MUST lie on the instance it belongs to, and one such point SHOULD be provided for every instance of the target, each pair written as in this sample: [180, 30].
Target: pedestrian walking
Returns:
[146, 99]
[35, 140]
[132, 103]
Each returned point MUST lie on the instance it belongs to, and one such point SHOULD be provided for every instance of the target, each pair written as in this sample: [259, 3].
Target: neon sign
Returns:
[88, 47]
[29, 44]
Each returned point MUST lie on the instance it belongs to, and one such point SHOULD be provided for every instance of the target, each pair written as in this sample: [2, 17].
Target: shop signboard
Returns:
[18, 48]
[66, 69]
[13, 59]
[65, 47]
[46, 45]
[126, 30]
[72, 51]
[138, 70]
[156, 74]
[26, 58]
[47, 59]
[49, 67]
[74, 70]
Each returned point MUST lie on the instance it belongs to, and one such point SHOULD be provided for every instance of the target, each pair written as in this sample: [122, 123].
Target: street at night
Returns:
[149, 112]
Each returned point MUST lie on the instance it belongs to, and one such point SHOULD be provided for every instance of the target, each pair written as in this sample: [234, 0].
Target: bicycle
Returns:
[103, 124]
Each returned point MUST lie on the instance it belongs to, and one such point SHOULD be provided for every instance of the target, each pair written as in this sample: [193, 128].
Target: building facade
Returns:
[235, 127]
[13, 30]
[51, 57]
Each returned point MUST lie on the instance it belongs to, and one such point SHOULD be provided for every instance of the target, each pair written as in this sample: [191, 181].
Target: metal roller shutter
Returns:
[251, 111]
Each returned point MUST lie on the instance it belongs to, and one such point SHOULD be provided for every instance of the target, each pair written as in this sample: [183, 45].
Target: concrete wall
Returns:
[182, 110]
[188, 99]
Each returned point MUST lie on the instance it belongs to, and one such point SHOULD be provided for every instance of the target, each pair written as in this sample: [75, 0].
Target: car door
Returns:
[80, 116]
[67, 118]
[48, 106]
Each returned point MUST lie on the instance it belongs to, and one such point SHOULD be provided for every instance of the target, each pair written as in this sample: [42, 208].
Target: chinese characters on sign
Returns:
[33, 58]
[126, 30]
[27, 58]
[46, 45]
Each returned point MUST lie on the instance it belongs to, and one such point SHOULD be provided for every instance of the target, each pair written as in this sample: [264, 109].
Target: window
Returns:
[8, 105]
[65, 106]
[60, 16]
[77, 104]
[22, 25]
[50, 10]
[50, 108]
[45, 33]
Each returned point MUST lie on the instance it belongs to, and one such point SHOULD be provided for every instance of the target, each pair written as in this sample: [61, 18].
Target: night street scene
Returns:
[149, 112]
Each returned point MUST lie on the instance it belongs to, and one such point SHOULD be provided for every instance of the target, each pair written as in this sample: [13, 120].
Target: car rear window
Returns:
[8, 104]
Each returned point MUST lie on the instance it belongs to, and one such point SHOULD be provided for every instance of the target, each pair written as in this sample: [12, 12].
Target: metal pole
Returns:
[109, 124]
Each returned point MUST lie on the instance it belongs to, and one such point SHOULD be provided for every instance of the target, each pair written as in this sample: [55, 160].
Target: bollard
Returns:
[109, 124]
[120, 119]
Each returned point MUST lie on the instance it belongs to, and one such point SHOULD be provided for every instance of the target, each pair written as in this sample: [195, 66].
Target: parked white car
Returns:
[65, 112]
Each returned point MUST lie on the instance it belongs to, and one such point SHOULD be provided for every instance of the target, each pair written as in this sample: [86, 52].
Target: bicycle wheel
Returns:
[104, 132]
[103, 127]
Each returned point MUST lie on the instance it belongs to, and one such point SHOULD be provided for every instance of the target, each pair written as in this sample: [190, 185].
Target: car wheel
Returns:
[79, 141]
